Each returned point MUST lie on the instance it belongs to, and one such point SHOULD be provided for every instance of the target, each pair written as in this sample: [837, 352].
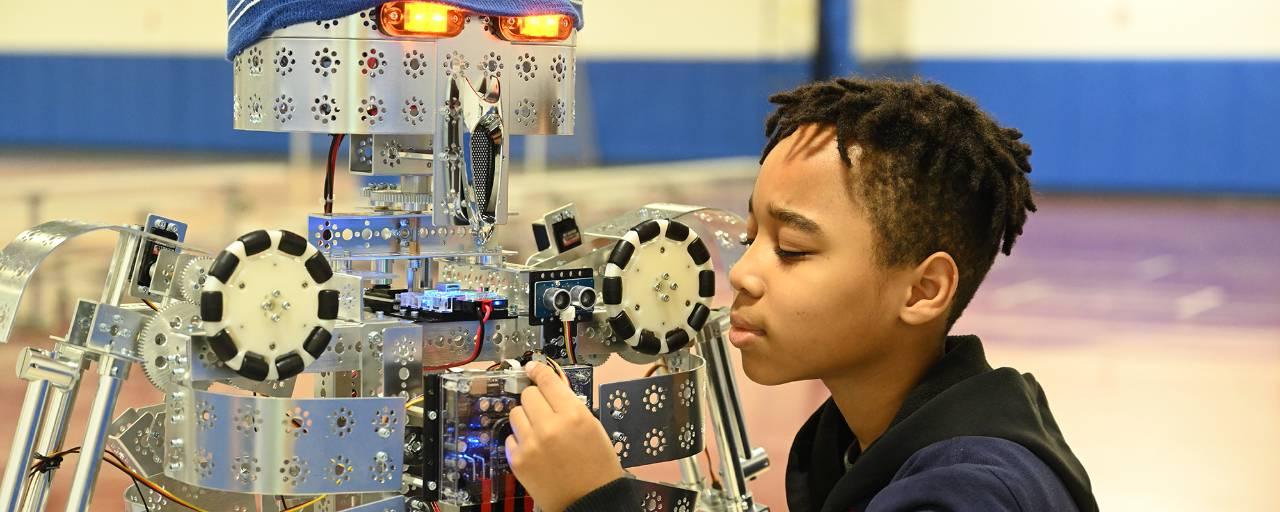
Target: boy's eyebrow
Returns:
[795, 219]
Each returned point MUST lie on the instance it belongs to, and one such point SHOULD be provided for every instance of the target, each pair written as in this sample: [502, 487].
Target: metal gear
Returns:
[191, 279]
[163, 344]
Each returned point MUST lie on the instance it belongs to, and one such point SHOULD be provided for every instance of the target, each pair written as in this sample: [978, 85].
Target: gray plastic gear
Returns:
[162, 346]
[191, 279]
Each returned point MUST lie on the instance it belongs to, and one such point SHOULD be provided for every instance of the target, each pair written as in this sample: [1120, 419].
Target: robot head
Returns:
[419, 86]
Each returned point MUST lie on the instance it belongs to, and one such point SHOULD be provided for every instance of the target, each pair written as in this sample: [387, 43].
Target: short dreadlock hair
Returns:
[936, 173]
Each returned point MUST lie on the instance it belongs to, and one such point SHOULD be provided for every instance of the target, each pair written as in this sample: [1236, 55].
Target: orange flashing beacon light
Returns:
[546, 27]
[410, 18]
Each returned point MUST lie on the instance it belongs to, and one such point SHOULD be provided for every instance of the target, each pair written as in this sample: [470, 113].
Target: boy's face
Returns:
[811, 300]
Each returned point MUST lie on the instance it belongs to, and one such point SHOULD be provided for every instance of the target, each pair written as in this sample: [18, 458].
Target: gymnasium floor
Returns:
[1152, 323]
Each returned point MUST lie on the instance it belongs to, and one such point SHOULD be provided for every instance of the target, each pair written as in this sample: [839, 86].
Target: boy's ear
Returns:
[932, 290]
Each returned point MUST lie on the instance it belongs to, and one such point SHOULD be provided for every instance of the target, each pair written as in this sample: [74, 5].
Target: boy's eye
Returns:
[784, 255]
[789, 255]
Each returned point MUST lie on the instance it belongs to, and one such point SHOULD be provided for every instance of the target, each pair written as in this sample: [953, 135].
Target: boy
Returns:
[879, 208]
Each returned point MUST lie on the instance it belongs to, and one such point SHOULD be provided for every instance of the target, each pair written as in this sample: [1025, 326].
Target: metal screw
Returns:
[666, 298]
[275, 293]
[675, 286]
[287, 305]
[617, 415]
[384, 432]
[175, 443]
[431, 415]
[174, 466]
[431, 485]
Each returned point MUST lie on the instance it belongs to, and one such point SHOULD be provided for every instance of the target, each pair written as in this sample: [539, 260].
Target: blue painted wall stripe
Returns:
[1140, 126]
[122, 102]
[646, 111]
[665, 110]
[1144, 126]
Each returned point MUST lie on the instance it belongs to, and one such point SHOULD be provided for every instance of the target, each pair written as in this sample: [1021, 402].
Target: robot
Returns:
[322, 368]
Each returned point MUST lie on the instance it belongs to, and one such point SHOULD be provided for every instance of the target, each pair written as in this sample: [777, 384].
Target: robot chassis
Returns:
[375, 310]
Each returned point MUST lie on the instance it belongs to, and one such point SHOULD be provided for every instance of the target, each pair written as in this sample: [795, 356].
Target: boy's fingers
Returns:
[535, 405]
[554, 389]
[513, 448]
[520, 425]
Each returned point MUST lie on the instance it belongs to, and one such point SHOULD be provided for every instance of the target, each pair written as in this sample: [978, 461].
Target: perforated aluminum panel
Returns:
[265, 445]
[345, 76]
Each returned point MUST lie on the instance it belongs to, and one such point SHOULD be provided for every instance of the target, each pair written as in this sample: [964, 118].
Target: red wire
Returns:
[487, 307]
[568, 344]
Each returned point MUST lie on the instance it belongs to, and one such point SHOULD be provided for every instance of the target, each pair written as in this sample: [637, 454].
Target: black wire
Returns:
[141, 497]
[335, 143]
[283, 504]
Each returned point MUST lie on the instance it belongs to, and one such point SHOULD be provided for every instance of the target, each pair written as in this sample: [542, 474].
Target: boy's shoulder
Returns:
[967, 422]
[974, 473]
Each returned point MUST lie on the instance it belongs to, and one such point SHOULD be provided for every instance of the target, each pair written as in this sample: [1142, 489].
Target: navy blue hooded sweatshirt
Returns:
[968, 438]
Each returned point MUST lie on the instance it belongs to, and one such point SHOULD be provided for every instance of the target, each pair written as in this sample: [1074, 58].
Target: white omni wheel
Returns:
[657, 286]
[266, 310]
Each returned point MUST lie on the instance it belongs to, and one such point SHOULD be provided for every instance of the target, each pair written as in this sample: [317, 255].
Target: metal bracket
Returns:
[654, 419]
[20, 259]
[35, 364]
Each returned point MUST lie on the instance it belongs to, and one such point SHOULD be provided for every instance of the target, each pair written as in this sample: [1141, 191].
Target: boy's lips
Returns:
[743, 332]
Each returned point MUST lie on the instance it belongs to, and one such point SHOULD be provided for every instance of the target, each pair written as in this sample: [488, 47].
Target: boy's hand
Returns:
[559, 452]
